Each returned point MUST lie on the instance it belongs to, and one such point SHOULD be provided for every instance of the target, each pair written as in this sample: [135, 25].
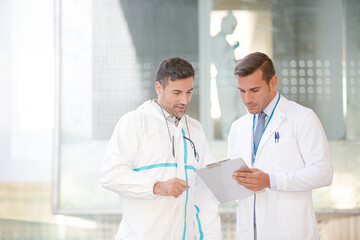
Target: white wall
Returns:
[26, 90]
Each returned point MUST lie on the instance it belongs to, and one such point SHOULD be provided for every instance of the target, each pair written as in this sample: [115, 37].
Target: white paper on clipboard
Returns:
[218, 178]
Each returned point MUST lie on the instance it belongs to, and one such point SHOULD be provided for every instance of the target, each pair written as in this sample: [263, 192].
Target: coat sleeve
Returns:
[207, 219]
[314, 150]
[117, 172]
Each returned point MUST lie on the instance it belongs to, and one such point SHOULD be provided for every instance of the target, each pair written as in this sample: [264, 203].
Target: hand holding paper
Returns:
[254, 180]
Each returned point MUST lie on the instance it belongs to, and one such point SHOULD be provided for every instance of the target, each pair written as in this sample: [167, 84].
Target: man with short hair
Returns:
[286, 146]
[151, 161]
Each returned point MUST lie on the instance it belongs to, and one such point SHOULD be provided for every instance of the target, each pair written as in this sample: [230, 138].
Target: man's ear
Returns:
[158, 88]
[273, 82]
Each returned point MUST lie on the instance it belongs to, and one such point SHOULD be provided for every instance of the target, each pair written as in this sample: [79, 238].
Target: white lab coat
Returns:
[140, 154]
[300, 162]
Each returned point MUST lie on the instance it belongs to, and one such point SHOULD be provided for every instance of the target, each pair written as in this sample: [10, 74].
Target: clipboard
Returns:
[218, 178]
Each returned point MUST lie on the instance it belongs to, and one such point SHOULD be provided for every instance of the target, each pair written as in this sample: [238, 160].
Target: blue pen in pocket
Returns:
[277, 137]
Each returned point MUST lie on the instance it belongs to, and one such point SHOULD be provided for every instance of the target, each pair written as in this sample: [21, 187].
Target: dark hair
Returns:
[173, 69]
[253, 62]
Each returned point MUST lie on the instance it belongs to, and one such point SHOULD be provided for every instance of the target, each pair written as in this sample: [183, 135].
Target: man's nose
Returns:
[185, 99]
[248, 97]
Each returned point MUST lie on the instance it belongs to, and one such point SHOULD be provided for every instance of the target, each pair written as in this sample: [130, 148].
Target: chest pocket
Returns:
[286, 155]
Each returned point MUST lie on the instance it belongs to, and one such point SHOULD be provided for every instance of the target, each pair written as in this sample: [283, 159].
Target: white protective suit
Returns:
[140, 154]
[299, 161]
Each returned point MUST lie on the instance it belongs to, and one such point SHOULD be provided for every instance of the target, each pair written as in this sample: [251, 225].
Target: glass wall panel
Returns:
[352, 66]
[308, 57]
[315, 48]
[108, 60]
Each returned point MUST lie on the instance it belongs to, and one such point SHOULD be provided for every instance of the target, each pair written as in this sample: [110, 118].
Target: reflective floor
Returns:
[25, 213]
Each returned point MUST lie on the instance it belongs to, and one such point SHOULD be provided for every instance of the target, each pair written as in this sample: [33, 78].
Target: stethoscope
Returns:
[172, 138]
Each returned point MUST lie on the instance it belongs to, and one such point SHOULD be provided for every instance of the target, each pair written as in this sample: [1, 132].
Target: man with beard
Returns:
[151, 161]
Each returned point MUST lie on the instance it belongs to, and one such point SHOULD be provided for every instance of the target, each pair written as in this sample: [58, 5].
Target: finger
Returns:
[240, 171]
[253, 186]
[181, 190]
[182, 182]
[245, 181]
[241, 174]
[177, 192]
[184, 187]
[239, 178]
[245, 184]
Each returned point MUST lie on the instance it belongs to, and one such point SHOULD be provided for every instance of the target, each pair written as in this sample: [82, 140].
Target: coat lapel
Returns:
[275, 122]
